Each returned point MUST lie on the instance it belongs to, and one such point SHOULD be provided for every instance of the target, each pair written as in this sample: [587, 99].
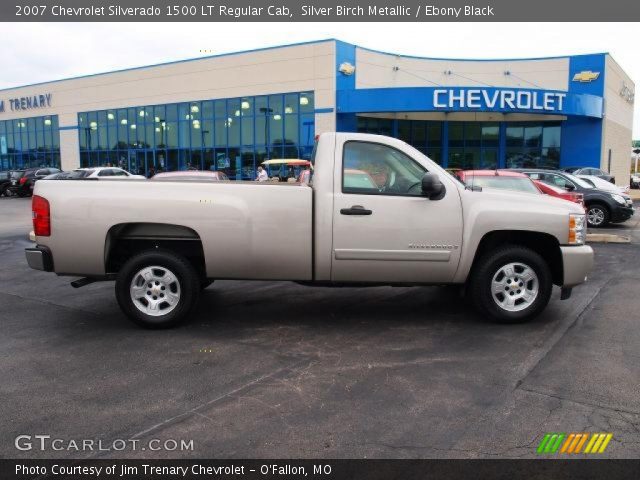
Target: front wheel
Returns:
[511, 285]
[157, 288]
[597, 215]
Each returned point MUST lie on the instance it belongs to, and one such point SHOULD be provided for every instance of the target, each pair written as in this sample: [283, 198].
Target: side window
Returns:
[119, 173]
[562, 182]
[373, 168]
[105, 173]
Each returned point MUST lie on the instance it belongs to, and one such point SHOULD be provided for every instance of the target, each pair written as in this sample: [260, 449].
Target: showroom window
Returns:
[233, 135]
[532, 145]
[29, 143]
[473, 145]
[425, 136]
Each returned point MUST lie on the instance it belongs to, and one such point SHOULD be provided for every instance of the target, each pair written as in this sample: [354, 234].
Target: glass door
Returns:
[141, 161]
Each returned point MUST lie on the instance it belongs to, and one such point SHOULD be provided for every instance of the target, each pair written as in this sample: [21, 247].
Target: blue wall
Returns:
[582, 136]
[584, 105]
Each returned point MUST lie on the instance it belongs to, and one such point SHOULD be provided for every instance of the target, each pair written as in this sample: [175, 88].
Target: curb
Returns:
[607, 238]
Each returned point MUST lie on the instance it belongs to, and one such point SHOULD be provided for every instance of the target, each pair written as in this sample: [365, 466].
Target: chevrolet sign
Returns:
[503, 99]
[586, 76]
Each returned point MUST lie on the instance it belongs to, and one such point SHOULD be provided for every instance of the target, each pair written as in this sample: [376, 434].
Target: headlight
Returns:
[577, 230]
[618, 198]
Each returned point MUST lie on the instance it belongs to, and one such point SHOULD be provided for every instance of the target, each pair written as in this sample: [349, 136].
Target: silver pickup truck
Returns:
[375, 212]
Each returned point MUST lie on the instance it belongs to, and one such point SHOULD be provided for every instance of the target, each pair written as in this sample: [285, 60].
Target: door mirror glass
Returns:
[570, 187]
[432, 187]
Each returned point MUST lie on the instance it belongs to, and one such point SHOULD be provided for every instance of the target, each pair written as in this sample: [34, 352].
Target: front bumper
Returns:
[577, 263]
[39, 258]
[622, 213]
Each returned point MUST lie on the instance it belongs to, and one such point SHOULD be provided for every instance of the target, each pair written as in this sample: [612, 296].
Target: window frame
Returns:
[379, 193]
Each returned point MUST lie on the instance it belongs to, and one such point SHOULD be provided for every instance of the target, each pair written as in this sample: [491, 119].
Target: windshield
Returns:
[519, 184]
[80, 173]
[578, 181]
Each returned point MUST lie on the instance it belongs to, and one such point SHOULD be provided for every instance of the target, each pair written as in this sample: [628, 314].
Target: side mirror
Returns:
[569, 187]
[432, 187]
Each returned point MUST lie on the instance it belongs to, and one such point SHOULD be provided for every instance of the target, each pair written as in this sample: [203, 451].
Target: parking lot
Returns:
[273, 369]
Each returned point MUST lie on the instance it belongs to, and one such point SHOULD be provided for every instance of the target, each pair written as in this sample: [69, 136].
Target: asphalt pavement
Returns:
[274, 369]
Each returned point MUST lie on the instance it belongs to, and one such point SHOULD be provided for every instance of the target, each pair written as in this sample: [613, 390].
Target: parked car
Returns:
[284, 168]
[106, 173]
[602, 207]
[598, 182]
[548, 189]
[22, 181]
[72, 175]
[5, 183]
[596, 172]
[192, 175]
[422, 227]
[503, 179]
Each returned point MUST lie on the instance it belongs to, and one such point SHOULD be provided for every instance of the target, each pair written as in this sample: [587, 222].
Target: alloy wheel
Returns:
[514, 286]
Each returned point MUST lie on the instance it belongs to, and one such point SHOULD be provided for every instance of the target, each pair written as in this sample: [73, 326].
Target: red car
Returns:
[560, 192]
[503, 179]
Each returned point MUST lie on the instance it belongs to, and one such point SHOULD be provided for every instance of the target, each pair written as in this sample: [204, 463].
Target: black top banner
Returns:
[318, 11]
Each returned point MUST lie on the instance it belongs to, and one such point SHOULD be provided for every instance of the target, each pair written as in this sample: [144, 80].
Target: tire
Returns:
[598, 215]
[508, 269]
[162, 274]
[206, 283]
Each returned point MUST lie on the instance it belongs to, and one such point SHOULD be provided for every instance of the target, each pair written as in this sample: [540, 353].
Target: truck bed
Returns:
[247, 229]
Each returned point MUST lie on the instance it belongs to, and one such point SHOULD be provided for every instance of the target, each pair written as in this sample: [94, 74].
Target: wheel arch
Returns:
[124, 240]
[545, 244]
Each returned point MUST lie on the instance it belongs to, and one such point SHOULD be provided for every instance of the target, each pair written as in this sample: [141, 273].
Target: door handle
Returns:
[355, 210]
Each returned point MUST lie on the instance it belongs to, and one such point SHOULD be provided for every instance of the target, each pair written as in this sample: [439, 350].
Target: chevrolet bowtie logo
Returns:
[586, 76]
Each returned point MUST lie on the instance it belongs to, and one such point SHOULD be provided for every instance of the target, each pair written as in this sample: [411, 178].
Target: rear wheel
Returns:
[597, 215]
[511, 285]
[157, 288]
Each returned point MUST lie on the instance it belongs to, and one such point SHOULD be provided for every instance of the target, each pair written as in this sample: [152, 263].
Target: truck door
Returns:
[384, 229]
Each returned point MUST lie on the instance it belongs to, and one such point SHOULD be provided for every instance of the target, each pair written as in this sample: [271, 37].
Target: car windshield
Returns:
[578, 181]
[519, 184]
[80, 173]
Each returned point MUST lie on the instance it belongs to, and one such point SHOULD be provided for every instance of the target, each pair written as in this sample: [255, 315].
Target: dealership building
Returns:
[230, 112]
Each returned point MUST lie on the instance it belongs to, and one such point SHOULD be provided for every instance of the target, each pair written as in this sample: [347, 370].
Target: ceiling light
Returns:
[133, 126]
[156, 119]
[141, 113]
[47, 121]
[188, 117]
[277, 116]
[110, 116]
[195, 109]
[288, 109]
[245, 105]
[304, 101]
[93, 124]
[123, 121]
[237, 113]
[158, 129]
